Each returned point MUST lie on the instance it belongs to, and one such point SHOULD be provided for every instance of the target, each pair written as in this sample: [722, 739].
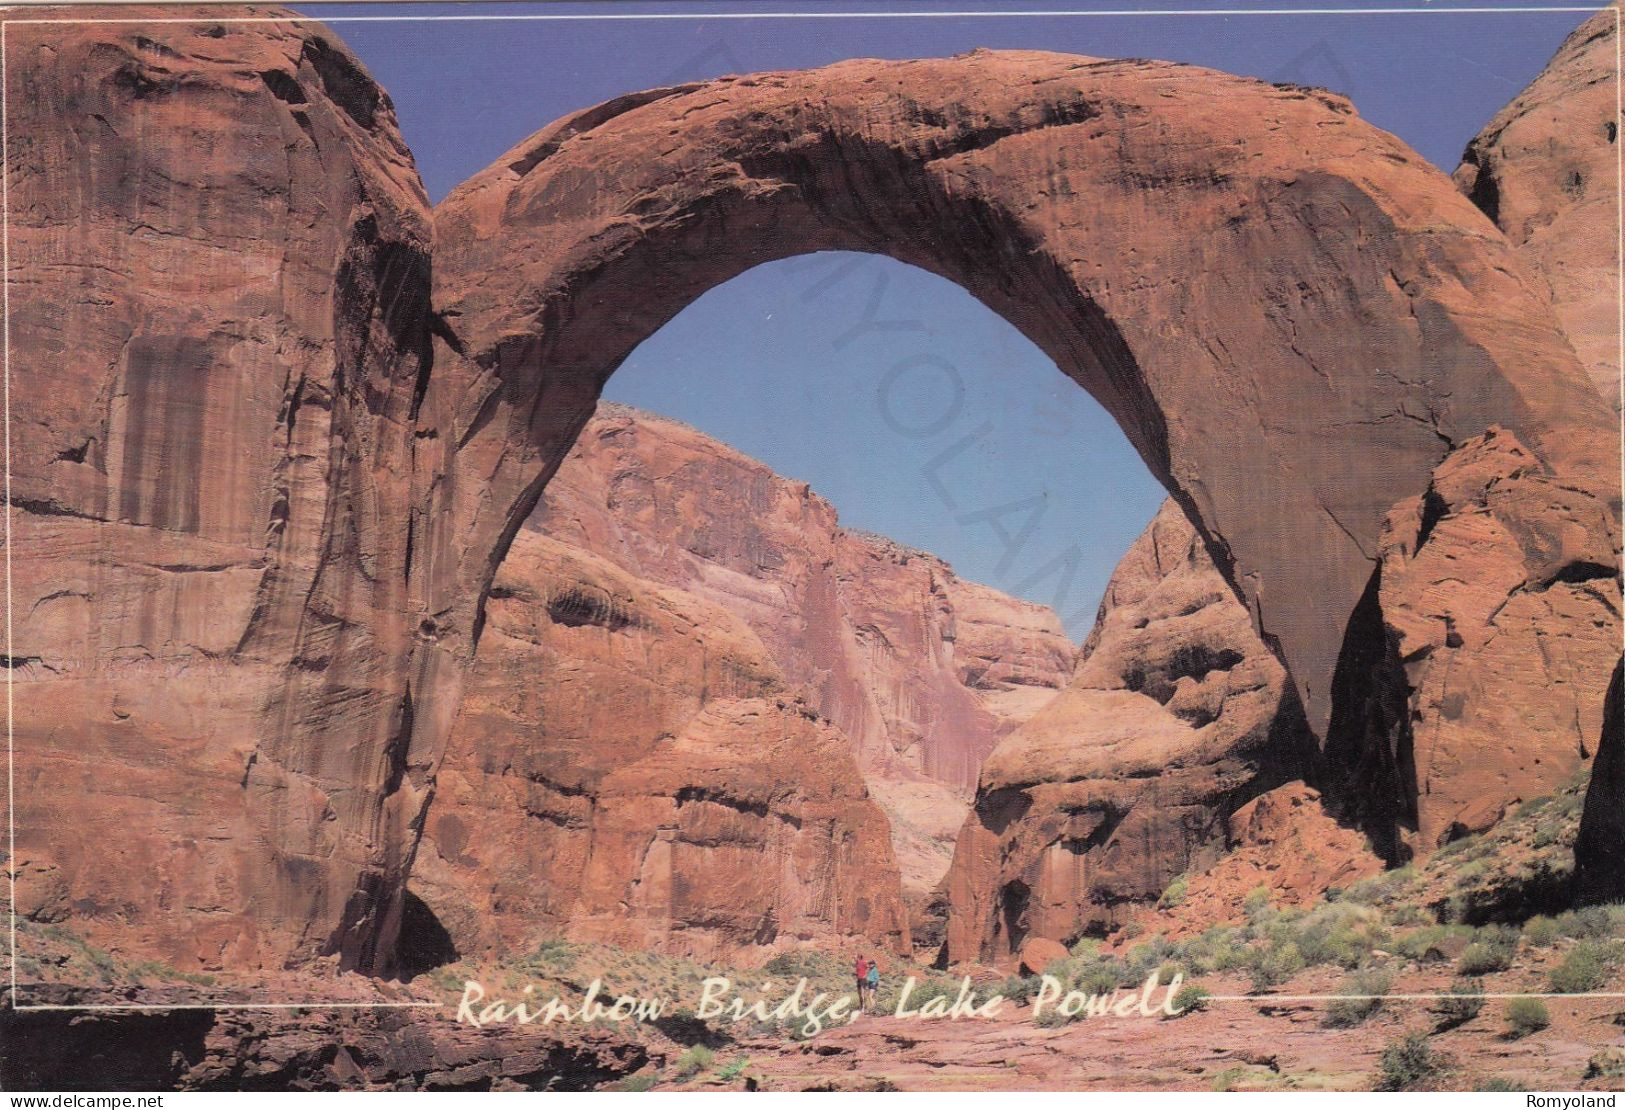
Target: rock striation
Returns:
[1177, 715]
[1546, 170]
[921, 670]
[629, 767]
[218, 304]
[678, 625]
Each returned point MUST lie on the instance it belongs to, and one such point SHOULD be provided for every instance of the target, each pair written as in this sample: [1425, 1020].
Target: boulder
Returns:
[1038, 953]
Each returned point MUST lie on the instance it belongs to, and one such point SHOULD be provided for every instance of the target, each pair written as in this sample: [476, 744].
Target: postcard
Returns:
[688, 546]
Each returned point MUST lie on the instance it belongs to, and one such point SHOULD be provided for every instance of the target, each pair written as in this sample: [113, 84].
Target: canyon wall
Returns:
[693, 687]
[629, 767]
[923, 671]
[219, 286]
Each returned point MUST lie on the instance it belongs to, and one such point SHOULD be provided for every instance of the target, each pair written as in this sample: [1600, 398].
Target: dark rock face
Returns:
[1599, 853]
[322, 1050]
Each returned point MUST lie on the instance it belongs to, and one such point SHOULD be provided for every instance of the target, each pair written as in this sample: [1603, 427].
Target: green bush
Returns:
[1526, 1016]
[1464, 1002]
[1275, 965]
[733, 1070]
[1480, 958]
[1174, 895]
[1585, 968]
[1496, 1083]
[1541, 931]
[1363, 997]
[695, 1058]
[634, 1083]
[1190, 998]
[1408, 1063]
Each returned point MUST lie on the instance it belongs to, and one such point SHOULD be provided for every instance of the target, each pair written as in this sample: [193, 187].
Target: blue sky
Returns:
[945, 428]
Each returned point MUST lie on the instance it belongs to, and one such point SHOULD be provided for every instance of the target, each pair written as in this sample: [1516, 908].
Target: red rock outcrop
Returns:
[1476, 667]
[1546, 170]
[922, 671]
[628, 767]
[218, 303]
[1177, 715]
[1284, 841]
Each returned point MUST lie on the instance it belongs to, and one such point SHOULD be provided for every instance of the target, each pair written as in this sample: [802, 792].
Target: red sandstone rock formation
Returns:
[219, 287]
[1545, 169]
[922, 671]
[656, 642]
[1177, 714]
[1475, 670]
[1283, 841]
[629, 767]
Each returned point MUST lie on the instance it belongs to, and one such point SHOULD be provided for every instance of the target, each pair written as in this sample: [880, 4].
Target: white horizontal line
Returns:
[630, 17]
[1419, 998]
[242, 1006]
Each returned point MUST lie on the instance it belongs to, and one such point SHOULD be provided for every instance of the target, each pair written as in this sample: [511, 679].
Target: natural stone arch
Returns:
[1290, 313]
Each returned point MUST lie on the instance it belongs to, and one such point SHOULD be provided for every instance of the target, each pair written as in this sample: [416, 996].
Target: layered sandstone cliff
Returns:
[218, 308]
[1475, 669]
[1176, 716]
[1546, 170]
[692, 690]
[922, 671]
[629, 767]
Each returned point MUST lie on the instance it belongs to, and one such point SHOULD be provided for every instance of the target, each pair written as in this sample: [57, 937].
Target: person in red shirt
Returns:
[862, 972]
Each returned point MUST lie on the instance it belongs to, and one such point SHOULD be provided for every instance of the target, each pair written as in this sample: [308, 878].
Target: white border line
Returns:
[667, 17]
[5, 345]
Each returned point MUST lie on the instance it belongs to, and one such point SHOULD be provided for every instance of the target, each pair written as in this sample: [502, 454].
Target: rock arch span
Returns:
[1291, 315]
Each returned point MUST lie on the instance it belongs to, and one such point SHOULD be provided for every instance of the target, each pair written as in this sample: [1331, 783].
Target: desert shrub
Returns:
[1019, 989]
[1189, 998]
[1100, 978]
[1362, 997]
[1051, 1019]
[1585, 968]
[1606, 1063]
[1482, 958]
[1275, 965]
[1526, 1016]
[1085, 948]
[733, 1070]
[1174, 895]
[695, 1058]
[1336, 934]
[1541, 931]
[1464, 1002]
[1257, 903]
[1408, 1063]
[1500, 1083]
[1429, 941]
[1592, 921]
